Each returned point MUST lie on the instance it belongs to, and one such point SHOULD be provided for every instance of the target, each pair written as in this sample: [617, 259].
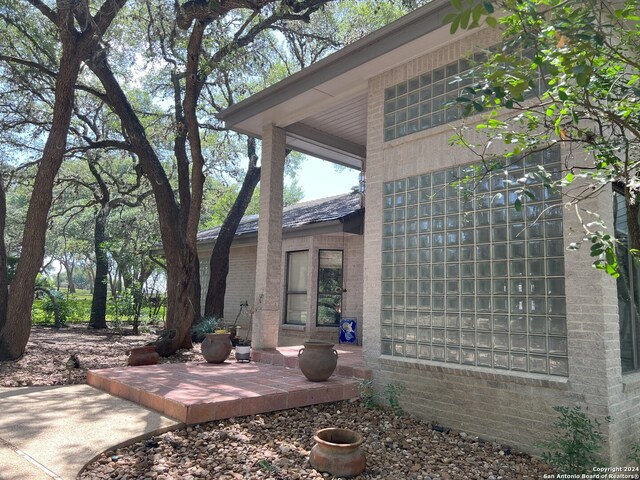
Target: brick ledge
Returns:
[522, 378]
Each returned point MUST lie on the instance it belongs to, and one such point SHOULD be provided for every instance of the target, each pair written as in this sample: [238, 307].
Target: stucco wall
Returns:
[510, 407]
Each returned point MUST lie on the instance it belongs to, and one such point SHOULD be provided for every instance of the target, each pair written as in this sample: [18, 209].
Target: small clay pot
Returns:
[317, 360]
[143, 356]
[338, 452]
[216, 347]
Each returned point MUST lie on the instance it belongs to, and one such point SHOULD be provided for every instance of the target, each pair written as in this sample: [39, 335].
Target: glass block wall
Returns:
[418, 104]
[474, 281]
[428, 100]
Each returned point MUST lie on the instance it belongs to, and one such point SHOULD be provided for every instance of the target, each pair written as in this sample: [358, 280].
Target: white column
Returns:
[266, 319]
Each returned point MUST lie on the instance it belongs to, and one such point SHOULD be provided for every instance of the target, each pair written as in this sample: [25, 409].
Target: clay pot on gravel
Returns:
[216, 347]
[143, 356]
[338, 452]
[317, 360]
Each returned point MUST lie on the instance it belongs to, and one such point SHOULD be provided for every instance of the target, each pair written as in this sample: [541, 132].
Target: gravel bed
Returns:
[276, 446]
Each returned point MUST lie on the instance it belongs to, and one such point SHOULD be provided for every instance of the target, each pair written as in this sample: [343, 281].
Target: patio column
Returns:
[266, 319]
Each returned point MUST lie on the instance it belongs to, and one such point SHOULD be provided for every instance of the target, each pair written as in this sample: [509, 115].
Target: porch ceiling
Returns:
[323, 108]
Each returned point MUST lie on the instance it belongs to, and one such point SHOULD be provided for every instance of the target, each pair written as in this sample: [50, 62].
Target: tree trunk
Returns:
[98, 318]
[633, 218]
[219, 262]
[181, 259]
[68, 268]
[91, 277]
[15, 333]
[75, 47]
[4, 270]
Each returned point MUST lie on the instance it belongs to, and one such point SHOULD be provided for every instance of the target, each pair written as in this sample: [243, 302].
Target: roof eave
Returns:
[416, 24]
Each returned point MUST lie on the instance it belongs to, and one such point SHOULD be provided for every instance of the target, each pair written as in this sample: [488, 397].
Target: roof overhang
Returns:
[323, 108]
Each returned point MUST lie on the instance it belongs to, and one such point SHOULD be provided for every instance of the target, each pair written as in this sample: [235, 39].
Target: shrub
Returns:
[62, 303]
[393, 392]
[576, 442]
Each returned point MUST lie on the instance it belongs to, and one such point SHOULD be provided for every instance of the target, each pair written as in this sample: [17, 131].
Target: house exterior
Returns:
[321, 268]
[476, 308]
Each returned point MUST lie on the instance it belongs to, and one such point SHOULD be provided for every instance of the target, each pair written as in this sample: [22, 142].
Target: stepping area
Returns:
[200, 392]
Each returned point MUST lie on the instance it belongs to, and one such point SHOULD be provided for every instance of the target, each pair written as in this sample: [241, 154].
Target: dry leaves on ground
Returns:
[45, 359]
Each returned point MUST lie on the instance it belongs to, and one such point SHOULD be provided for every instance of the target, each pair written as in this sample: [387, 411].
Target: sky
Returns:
[319, 179]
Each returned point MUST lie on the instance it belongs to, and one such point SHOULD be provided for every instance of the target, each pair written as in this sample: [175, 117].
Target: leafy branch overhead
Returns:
[563, 73]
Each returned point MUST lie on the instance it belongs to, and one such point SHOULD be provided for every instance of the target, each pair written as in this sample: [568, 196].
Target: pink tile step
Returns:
[201, 392]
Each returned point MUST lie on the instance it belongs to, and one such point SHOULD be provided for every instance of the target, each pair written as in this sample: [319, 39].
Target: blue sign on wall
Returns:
[349, 330]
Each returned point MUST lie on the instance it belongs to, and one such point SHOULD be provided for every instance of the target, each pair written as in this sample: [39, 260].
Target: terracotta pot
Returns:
[243, 353]
[143, 356]
[337, 451]
[216, 347]
[317, 360]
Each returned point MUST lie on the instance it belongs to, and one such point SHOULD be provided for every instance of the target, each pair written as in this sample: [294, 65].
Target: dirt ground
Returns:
[44, 362]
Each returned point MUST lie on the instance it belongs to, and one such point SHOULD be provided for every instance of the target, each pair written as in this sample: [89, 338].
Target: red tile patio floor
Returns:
[200, 392]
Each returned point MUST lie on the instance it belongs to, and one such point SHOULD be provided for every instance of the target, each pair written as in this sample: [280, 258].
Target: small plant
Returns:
[634, 456]
[204, 326]
[393, 392]
[270, 469]
[366, 394]
[575, 446]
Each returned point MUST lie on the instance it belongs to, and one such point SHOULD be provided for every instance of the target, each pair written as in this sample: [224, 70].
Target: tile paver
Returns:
[198, 392]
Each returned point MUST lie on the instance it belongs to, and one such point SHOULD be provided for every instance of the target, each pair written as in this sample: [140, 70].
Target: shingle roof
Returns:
[295, 216]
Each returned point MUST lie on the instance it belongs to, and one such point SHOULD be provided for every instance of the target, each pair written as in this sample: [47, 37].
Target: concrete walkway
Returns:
[52, 432]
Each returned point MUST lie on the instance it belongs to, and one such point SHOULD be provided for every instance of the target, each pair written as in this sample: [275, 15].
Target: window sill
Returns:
[631, 382]
[507, 376]
[290, 326]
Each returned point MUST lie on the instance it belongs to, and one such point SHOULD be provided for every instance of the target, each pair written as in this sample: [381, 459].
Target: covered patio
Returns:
[199, 392]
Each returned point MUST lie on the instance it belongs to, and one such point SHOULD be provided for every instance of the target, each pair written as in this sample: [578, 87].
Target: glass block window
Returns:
[418, 104]
[428, 100]
[474, 281]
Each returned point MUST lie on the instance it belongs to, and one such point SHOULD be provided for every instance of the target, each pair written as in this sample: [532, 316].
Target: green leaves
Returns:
[582, 74]
[603, 249]
[469, 14]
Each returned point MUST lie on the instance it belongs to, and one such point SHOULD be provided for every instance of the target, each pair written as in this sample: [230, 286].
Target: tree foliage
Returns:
[566, 73]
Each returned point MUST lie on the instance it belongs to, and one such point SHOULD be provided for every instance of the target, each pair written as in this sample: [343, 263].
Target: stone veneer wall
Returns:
[510, 407]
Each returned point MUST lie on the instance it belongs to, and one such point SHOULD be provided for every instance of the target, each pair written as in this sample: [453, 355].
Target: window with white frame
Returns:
[297, 279]
[475, 281]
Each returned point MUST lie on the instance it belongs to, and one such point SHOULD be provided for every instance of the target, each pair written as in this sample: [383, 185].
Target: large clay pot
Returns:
[143, 356]
[317, 360]
[337, 451]
[216, 347]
